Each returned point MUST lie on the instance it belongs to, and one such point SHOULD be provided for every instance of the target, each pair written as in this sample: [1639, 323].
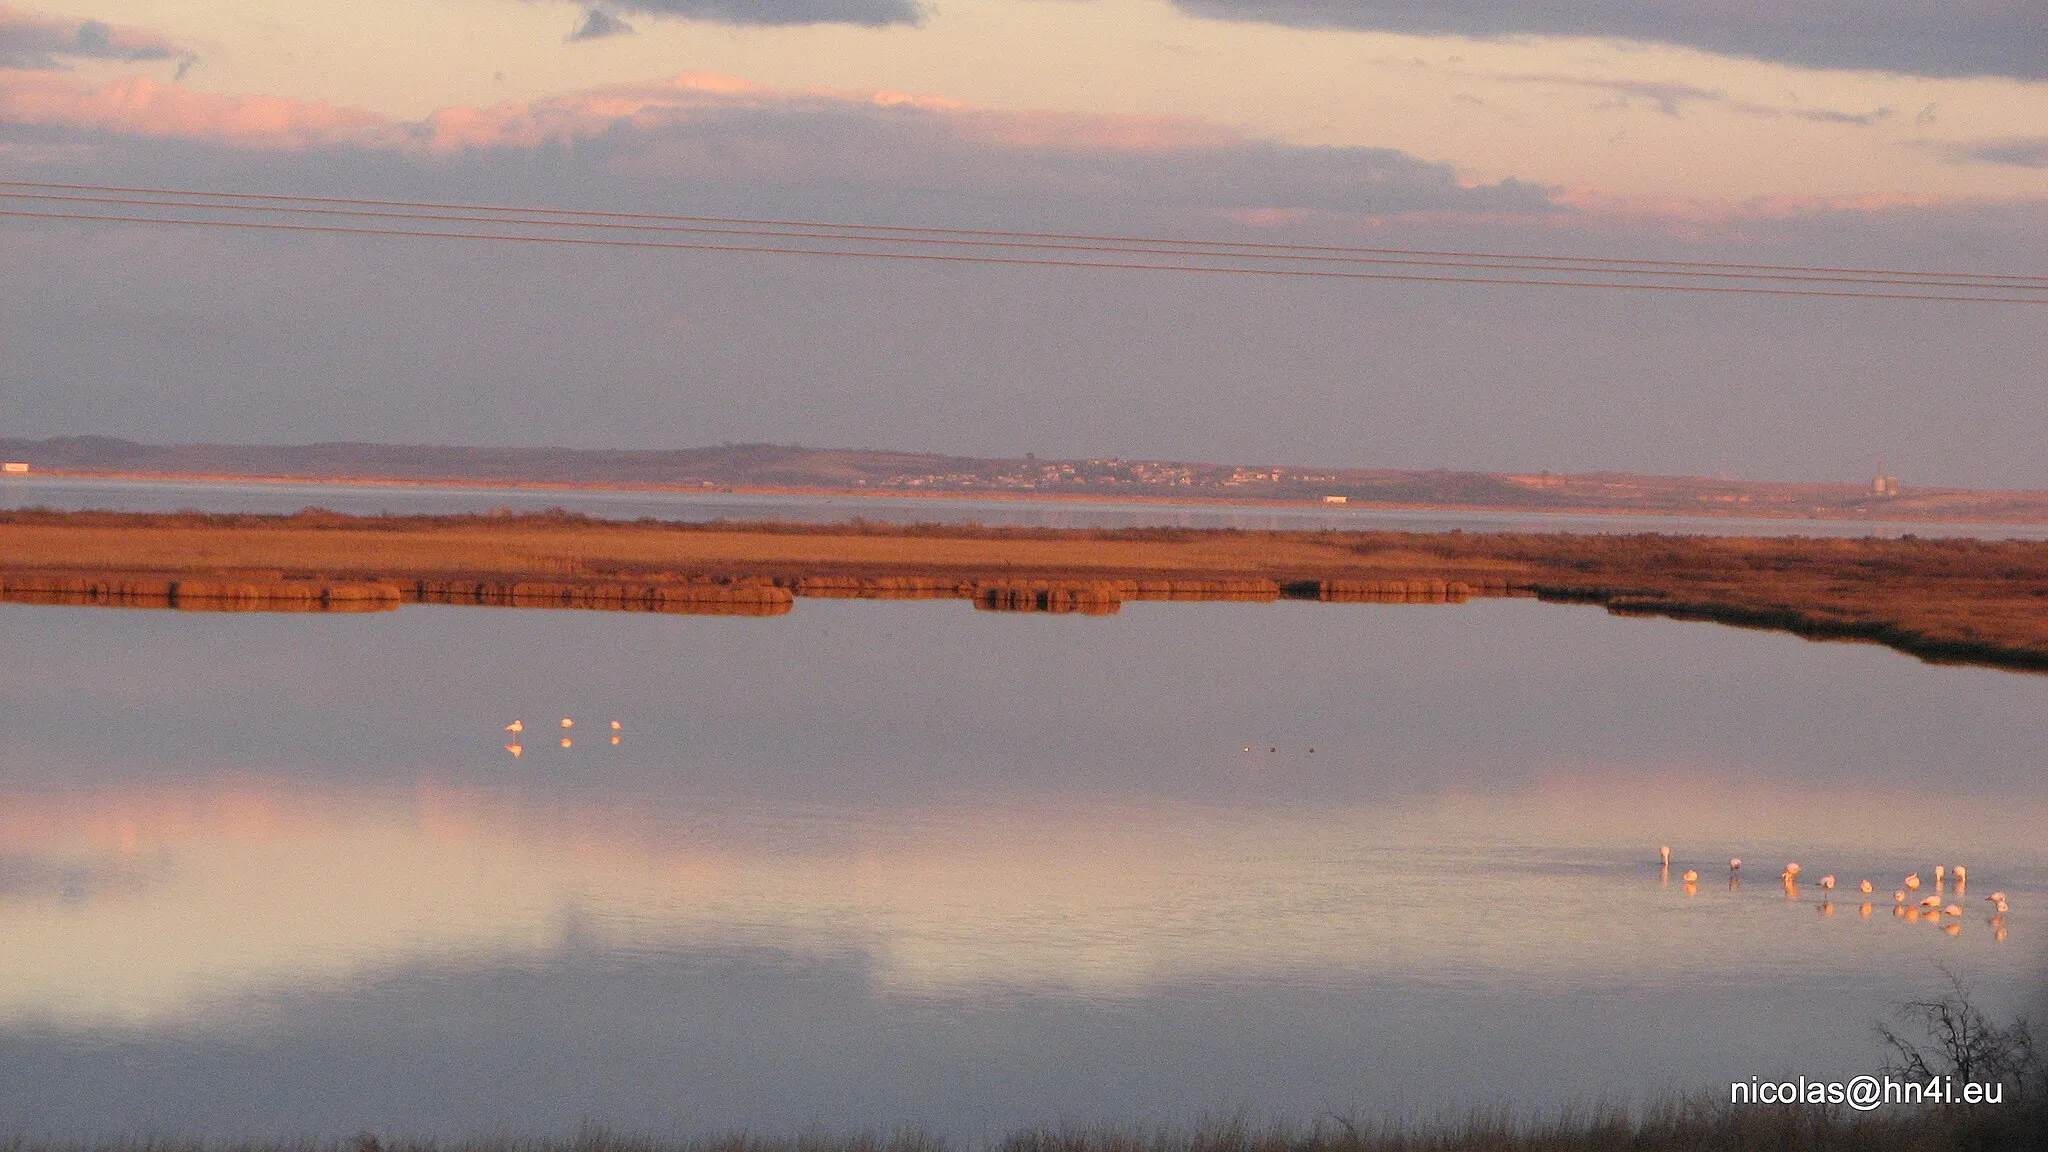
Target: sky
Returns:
[1872, 133]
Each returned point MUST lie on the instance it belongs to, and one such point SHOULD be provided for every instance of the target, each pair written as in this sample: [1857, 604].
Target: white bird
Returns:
[516, 726]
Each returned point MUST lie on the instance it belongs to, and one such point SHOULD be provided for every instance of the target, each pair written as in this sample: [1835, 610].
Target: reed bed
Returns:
[1951, 600]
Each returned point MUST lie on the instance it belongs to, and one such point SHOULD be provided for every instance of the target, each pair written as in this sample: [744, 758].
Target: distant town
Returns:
[757, 467]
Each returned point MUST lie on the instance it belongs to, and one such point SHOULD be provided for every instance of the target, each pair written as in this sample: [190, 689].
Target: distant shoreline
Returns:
[846, 473]
[1721, 513]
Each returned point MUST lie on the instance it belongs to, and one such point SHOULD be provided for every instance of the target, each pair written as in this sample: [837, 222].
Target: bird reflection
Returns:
[1910, 903]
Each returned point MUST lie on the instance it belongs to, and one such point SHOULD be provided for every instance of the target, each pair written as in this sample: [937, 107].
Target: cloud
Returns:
[864, 13]
[43, 43]
[1924, 37]
[1668, 97]
[1672, 97]
[138, 106]
[2017, 151]
[1822, 115]
[703, 139]
[599, 24]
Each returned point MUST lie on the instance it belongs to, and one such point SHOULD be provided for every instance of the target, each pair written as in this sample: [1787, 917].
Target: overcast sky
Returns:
[1891, 133]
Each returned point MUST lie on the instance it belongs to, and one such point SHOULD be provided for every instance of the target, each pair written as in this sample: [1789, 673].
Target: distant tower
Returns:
[1883, 485]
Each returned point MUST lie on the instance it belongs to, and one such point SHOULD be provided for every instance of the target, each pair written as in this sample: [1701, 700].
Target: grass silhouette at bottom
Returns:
[1692, 1124]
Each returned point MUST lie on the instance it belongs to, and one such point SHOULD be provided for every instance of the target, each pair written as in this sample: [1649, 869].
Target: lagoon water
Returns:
[371, 499]
[883, 864]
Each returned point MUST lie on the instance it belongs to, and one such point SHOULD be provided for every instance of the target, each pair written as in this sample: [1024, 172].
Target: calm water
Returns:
[884, 863]
[371, 499]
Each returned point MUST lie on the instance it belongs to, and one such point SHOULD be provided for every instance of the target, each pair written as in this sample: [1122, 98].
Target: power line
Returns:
[1964, 281]
[1577, 279]
[2029, 282]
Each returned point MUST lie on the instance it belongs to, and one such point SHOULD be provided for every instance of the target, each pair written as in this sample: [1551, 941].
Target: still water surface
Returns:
[137, 495]
[876, 864]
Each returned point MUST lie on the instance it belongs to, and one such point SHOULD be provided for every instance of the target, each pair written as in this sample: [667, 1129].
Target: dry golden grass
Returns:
[1962, 600]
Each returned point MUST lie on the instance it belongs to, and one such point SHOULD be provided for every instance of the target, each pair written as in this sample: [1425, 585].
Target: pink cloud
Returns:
[1727, 219]
[140, 106]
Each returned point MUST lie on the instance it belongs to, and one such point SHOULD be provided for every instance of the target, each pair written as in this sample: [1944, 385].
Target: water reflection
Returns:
[872, 864]
[187, 898]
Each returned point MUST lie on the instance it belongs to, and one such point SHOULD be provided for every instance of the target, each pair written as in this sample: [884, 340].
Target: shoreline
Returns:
[1944, 600]
[1719, 514]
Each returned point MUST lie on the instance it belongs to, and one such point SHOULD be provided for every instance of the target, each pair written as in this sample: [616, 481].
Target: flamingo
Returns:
[1931, 902]
[1866, 887]
[1913, 882]
[568, 723]
[1939, 871]
[1735, 864]
[1899, 897]
[1952, 910]
[1665, 854]
[1827, 883]
[566, 742]
[616, 725]
[1791, 869]
[516, 726]
[1692, 877]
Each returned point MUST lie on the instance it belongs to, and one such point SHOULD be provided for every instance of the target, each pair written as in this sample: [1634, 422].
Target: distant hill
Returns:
[770, 466]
